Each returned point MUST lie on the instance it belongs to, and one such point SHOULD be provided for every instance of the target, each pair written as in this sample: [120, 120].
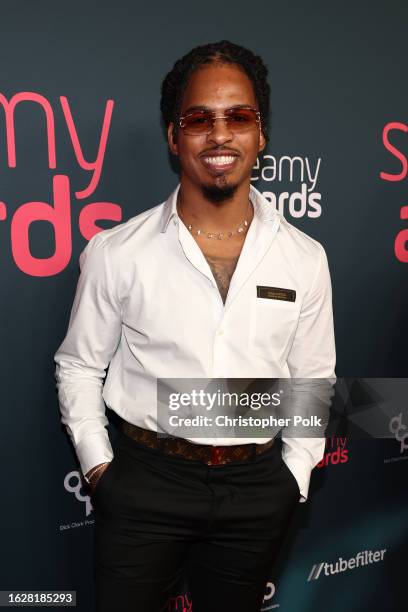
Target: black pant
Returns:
[157, 516]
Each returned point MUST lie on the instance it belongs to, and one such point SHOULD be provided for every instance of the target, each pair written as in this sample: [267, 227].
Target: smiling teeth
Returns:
[221, 159]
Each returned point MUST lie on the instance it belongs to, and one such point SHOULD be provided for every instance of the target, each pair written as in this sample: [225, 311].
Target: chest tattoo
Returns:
[222, 269]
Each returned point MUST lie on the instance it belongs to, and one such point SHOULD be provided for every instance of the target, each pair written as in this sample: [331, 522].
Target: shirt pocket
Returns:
[272, 326]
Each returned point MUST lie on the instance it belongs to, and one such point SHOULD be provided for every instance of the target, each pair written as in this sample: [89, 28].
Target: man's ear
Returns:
[171, 139]
[262, 141]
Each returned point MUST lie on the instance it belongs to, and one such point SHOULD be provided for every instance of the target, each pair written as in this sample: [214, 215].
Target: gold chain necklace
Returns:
[241, 229]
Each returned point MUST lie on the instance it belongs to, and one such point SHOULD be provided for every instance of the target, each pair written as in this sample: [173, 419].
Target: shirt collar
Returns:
[263, 209]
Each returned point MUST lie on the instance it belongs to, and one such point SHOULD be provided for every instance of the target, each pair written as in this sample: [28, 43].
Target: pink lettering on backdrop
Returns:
[96, 166]
[9, 107]
[401, 240]
[94, 212]
[57, 214]
[180, 603]
[400, 156]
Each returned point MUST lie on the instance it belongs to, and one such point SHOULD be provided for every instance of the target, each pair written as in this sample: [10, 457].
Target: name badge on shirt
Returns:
[276, 293]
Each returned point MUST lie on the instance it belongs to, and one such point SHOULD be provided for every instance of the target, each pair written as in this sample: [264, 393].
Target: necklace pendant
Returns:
[220, 235]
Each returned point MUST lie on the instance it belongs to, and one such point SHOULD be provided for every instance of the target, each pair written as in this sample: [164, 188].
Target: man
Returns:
[213, 283]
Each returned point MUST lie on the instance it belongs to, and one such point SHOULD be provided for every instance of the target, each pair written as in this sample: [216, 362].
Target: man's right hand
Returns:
[93, 481]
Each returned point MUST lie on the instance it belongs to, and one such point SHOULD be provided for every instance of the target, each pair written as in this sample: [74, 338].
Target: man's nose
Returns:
[220, 133]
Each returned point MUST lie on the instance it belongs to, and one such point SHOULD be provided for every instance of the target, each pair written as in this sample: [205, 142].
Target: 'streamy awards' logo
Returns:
[67, 194]
[301, 198]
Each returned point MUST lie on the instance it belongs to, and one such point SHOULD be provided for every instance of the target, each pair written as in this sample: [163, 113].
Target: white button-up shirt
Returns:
[148, 306]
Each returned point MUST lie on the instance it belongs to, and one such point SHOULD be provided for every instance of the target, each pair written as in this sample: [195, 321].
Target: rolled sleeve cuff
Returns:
[94, 449]
[302, 476]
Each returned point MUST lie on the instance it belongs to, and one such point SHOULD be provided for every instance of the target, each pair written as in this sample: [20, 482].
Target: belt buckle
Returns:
[216, 456]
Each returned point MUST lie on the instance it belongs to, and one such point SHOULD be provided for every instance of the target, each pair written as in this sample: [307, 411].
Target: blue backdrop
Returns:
[82, 148]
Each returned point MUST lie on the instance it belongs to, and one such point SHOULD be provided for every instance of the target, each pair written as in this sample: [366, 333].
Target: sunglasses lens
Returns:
[240, 119]
[197, 123]
[202, 122]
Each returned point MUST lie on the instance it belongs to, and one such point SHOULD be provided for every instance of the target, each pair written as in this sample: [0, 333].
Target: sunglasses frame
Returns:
[214, 117]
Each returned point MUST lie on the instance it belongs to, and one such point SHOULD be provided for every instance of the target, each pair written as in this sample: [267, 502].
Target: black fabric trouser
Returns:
[158, 517]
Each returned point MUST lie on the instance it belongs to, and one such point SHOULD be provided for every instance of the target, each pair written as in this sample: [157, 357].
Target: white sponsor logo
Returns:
[342, 565]
[400, 431]
[73, 484]
[270, 592]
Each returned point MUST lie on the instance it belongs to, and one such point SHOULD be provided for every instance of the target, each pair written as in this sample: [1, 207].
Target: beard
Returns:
[218, 193]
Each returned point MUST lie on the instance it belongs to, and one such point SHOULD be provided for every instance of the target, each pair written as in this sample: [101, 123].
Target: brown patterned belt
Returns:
[211, 455]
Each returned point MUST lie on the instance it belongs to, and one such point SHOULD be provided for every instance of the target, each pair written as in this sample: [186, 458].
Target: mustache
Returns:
[220, 151]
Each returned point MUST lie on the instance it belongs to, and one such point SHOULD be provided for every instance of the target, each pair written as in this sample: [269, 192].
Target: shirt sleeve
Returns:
[312, 355]
[93, 335]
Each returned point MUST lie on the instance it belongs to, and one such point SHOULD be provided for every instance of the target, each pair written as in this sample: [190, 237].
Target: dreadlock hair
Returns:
[223, 52]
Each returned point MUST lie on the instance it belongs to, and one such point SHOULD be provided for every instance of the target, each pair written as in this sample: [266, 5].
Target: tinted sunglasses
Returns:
[200, 122]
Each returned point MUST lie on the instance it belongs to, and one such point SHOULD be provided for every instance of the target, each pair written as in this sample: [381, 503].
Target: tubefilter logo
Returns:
[362, 558]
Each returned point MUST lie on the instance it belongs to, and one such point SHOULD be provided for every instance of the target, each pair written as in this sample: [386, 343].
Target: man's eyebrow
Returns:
[202, 107]
[196, 108]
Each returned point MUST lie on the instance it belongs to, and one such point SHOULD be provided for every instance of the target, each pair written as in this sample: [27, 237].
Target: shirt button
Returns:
[220, 332]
